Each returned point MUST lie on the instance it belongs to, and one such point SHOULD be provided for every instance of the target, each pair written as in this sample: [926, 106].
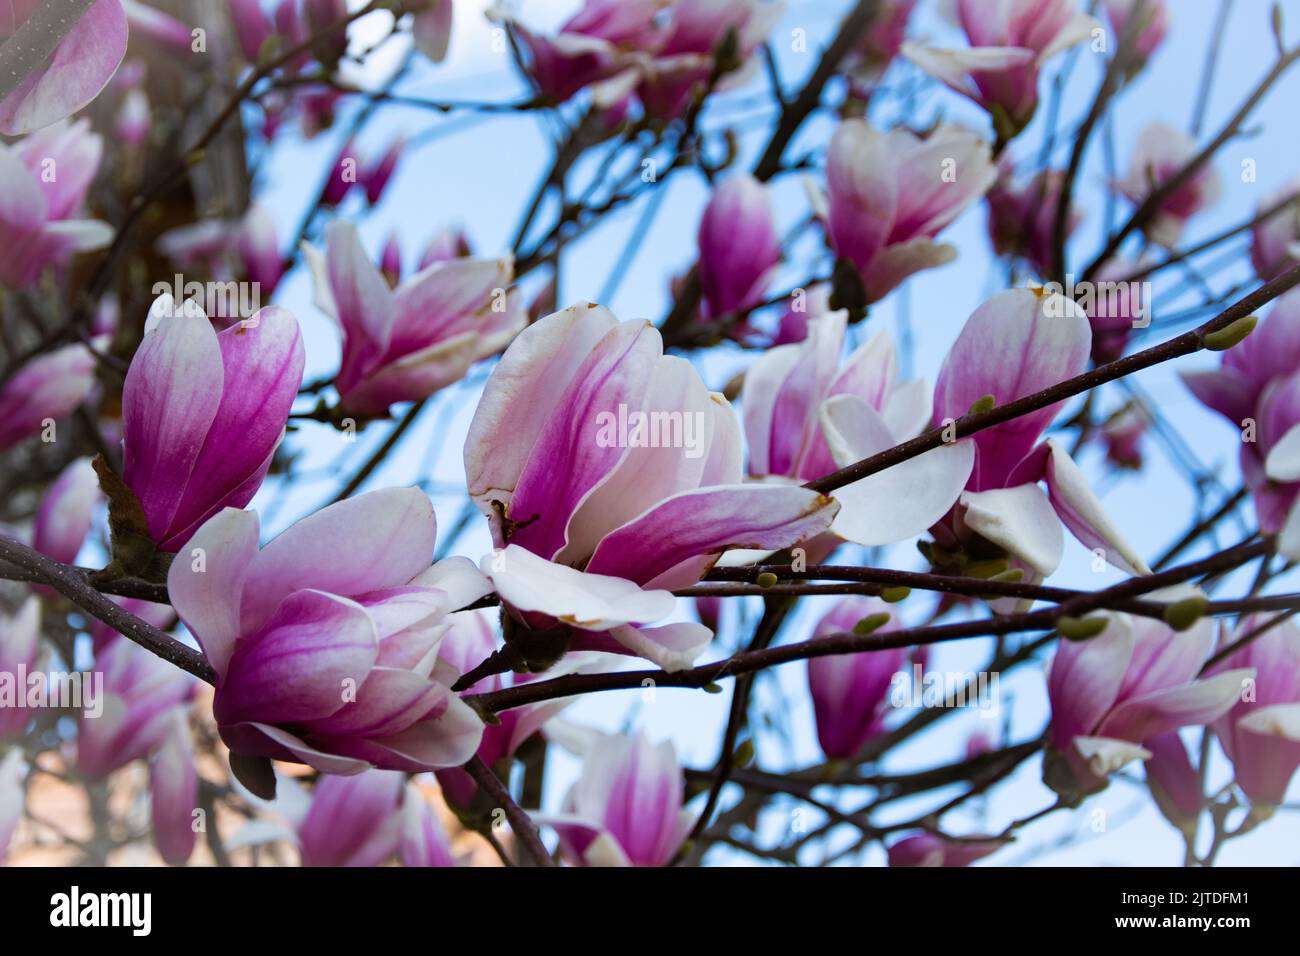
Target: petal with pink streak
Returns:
[862, 186]
[263, 360]
[171, 395]
[520, 394]
[571, 454]
[1200, 702]
[363, 303]
[709, 521]
[1085, 679]
[206, 583]
[81, 65]
[302, 664]
[377, 540]
[1081, 511]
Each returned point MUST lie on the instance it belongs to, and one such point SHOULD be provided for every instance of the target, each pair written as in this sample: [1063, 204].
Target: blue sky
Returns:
[479, 173]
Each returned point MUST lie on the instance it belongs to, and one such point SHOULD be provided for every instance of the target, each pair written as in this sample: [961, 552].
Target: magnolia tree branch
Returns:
[71, 584]
[848, 643]
[967, 425]
[524, 830]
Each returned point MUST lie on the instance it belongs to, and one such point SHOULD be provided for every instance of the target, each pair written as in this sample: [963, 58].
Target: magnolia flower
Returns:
[889, 195]
[43, 391]
[931, 849]
[880, 43]
[145, 702]
[258, 249]
[324, 641]
[806, 416]
[1022, 217]
[404, 344]
[80, 66]
[1275, 242]
[1019, 342]
[1135, 681]
[359, 821]
[65, 513]
[376, 176]
[626, 808]
[1010, 42]
[1151, 31]
[431, 29]
[469, 641]
[1173, 781]
[1115, 306]
[252, 28]
[739, 246]
[1122, 435]
[45, 178]
[1160, 153]
[12, 768]
[686, 58]
[594, 44]
[1271, 352]
[1261, 733]
[20, 647]
[610, 475]
[164, 30]
[202, 413]
[849, 693]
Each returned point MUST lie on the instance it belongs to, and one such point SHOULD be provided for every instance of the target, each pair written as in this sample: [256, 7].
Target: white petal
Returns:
[1083, 514]
[594, 602]
[1280, 720]
[1105, 755]
[1021, 520]
[1283, 462]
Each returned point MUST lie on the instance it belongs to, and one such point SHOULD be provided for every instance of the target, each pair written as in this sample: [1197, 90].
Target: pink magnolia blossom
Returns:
[931, 849]
[738, 245]
[325, 640]
[1115, 307]
[850, 693]
[1151, 31]
[1010, 41]
[81, 66]
[626, 808]
[12, 768]
[1160, 153]
[1174, 783]
[1122, 436]
[881, 42]
[1022, 217]
[1261, 733]
[806, 415]
[1017, 343]
[258, 249]
[1275, 242]
[20, 648]
[64, 515]
[1135, 681]
[44, 178]
[889, 195]
[594, 44]
[163, 29]
[610, 475]
[202, 413]
[144, 718]
[362, 820]
[431, 29]
[376, 176]
[252, 27]
[1270, 353]
[133, 118]
[685, 57]
[470, 641]
[447, 243]
[404, 344]
[45, 389]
